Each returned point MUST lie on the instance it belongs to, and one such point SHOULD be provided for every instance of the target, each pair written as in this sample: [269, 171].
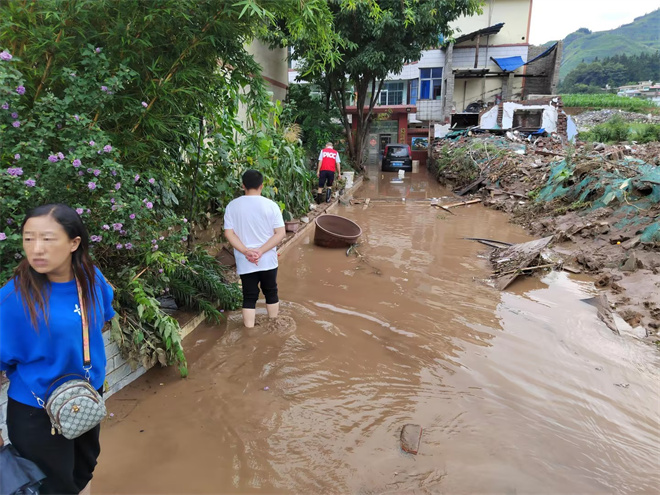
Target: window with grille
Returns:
[392, 93]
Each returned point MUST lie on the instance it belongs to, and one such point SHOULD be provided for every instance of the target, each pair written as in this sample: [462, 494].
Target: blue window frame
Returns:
[430, 83]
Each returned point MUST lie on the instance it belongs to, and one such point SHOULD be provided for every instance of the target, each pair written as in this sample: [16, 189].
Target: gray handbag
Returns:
[75, 407]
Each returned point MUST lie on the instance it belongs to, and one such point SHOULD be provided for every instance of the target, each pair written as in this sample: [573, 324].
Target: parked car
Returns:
[397, 157]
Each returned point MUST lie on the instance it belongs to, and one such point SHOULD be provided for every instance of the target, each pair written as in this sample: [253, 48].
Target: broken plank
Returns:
[519, 257]
[473, 186]
[462, 203]
[411, 437]
[507, 244]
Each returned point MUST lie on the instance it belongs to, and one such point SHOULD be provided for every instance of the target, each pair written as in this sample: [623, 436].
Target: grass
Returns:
[617, 130]
[601, 101]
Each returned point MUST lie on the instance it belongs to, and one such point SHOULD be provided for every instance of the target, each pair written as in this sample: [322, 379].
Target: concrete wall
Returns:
[515, 14]
[547, 67]
[274, 67]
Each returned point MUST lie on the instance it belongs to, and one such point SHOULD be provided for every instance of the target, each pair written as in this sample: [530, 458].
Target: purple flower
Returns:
[3, 236]
[5, 106]
[112, 200]
[81, 173]
[117, 226]
[132, 216]
[137, 177]
[152, 181]
[114, 207]
[128, 245]
[88, 211]
[122, 232]
[76, 117]
[98, 49]
[145, 104]
[16, 123]
[96, 238]
[113, 172]
[15, 171]
[97, 172]
[92, 143]
[89, 170]
[154, 247]
[14, 115]
[9, 221]
[185, 220]
[59, 126]
[77, 163]
[107, 148]
[73, 74]
[104, 88]
[17, 156]
[20, 90]
[106, 227]
[161, 238]
[150, 205]
[154, 241]
[184, 238]
[117, 186]
[161, 270]
[99, 152]
[52, 158]
[79, 211]
[91, 185]
[5, 55]
[30, 183]
[60, 155]
[119, 246]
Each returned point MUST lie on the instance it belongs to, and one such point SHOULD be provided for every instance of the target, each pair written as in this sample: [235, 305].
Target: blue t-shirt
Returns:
[34, 360]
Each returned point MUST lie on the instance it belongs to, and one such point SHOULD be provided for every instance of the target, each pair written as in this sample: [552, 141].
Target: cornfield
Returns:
[608, 101]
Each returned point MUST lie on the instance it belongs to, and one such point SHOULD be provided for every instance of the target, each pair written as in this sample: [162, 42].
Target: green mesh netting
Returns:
[652, 233]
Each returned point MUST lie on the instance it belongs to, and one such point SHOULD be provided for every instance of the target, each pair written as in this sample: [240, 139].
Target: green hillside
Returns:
[642, 35]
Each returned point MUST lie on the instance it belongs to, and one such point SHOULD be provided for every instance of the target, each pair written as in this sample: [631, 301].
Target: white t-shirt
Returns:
[253, 219]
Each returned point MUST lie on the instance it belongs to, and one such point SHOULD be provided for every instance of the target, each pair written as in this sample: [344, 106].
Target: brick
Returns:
[111, 350]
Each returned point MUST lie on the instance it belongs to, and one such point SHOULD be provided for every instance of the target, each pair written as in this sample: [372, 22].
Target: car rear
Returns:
[397, 157]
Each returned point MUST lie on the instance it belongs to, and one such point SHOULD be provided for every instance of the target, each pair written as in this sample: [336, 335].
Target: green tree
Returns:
[378, 38]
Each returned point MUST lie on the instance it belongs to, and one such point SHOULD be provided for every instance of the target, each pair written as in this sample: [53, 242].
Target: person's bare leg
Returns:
[87, 490]
[249, 316]
[273, 309]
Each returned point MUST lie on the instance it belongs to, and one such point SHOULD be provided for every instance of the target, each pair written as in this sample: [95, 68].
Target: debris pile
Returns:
[587, 120]
[600, 202]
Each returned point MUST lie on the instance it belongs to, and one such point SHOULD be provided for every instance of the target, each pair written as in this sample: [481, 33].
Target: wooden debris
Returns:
[512, 261]
[462, 203]
[411, 437]
[493, 241]
[366, 203]
[473, 186]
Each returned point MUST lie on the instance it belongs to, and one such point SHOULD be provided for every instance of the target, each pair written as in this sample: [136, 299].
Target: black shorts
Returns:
[67, 464]
[326, 176]
[251, 282]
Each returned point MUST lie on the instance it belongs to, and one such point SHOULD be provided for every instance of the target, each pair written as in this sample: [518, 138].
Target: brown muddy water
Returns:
[524, 391]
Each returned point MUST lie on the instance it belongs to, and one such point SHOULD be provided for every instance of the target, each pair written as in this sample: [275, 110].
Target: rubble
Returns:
[587, 120]
[601, 202]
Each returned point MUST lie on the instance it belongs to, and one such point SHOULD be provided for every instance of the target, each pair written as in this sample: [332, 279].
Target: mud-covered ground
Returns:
[601, 202]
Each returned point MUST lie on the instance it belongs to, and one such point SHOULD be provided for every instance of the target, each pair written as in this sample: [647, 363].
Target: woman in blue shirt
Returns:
[41, 341]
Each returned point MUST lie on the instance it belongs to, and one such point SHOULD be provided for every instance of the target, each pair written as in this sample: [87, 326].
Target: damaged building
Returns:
[487, 63]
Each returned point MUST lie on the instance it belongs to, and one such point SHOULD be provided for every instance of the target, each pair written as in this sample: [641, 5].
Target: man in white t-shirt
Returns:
[254, 227]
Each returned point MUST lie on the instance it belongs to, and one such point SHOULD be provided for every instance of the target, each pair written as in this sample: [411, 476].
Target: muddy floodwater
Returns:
[523, 391]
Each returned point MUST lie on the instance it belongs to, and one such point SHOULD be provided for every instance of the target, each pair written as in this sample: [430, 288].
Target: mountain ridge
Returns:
[641, 35]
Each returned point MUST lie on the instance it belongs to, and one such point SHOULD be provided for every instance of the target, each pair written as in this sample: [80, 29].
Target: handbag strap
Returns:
[87, 357]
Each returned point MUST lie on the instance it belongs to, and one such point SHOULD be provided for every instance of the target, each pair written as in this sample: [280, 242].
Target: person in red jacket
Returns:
[328, 162]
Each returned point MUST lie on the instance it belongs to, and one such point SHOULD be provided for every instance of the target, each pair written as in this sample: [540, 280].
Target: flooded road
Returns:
[524, 391]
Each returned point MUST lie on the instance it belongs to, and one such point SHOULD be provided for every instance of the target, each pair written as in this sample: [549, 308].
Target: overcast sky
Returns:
[554, 19]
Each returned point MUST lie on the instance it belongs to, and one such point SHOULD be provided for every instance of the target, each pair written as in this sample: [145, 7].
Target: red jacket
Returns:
[329, 159]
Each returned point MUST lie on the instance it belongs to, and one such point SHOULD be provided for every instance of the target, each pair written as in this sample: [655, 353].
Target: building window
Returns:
[430, 83]
[391, 94]
[414, 91]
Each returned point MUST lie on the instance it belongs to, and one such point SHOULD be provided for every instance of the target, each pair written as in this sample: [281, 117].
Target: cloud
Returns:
[554, 19]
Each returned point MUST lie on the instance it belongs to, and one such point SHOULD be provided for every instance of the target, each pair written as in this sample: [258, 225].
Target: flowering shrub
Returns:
[52, 150]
